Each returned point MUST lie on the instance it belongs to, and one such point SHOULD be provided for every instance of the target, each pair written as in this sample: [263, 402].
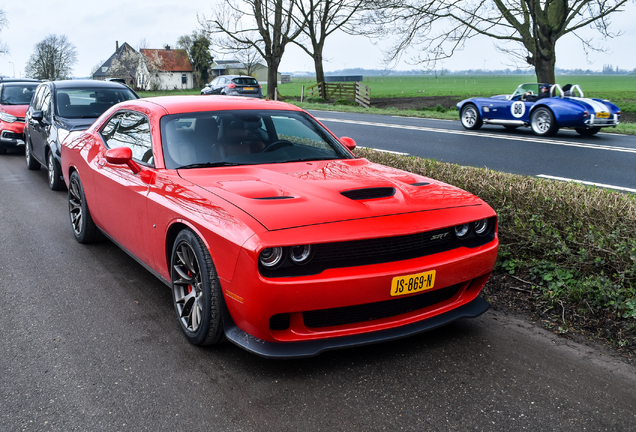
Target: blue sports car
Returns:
[544, 107]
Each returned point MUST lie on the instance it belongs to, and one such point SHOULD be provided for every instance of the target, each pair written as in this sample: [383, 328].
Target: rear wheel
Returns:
[470, 117]
[84, 229]
[542, 122]
[31, 163]
[196, 290]
[587, 131]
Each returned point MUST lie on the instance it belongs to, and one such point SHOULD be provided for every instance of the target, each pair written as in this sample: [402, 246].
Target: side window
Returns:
[132, 130]
[38, 98]
[46, 103]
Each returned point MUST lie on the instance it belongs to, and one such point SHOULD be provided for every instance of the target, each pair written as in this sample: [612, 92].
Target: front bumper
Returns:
[12, 138]
[277, 350]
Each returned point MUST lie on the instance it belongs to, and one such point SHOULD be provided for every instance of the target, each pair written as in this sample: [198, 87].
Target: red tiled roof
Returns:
[174, 60]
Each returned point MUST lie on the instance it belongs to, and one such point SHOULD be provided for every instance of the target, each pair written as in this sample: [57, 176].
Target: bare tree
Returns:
[266, 25]
[318, 19]
[245, 54]
[154, 66]
[52, 58]
[4, 49]
[125, 65]
[533, 26]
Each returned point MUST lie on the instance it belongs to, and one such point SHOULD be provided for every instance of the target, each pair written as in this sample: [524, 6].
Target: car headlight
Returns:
[6, 117]
[482, 227]
[461, 231]
[61, 134]
[271, 257]
[300, 254]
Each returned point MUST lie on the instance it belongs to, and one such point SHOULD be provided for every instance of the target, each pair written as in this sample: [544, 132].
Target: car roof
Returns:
[86, 83]
[12, 80]
[196, 103]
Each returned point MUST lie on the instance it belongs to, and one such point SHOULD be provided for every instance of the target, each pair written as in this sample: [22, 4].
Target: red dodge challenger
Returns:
[270, 232]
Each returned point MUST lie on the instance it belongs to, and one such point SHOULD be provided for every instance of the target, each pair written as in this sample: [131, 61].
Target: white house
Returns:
[165, 69]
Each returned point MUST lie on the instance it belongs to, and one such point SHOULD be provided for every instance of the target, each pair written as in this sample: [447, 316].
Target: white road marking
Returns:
[385, 151]
[601, 185]
[487, 135]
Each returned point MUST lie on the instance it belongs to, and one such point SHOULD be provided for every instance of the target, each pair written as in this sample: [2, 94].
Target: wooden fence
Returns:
[355, 92]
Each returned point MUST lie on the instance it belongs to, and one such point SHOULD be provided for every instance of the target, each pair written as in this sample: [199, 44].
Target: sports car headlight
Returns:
[271, 257]
[300, 254]
[461, 231]
[6, 117]
[482, 227]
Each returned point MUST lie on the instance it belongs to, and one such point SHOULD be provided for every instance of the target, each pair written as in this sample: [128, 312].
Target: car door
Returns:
[121, 193]
[39, 129]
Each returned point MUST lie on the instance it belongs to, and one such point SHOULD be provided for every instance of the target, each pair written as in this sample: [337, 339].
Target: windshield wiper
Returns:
[310, 159]
[210, 165]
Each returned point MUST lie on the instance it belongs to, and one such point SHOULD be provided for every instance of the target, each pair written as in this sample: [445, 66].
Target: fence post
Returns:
[302, 93]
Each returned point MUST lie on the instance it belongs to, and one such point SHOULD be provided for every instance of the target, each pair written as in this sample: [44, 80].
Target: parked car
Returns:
[59, 107]
[543, 107]
[268, 229]
[234, 85]
[15, 96]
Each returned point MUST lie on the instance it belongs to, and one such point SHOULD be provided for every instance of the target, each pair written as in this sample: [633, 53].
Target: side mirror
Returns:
[37, 115]
[348, 142]
[122, 156]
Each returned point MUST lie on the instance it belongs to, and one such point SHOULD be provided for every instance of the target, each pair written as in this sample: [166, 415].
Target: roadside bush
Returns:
[572, 242]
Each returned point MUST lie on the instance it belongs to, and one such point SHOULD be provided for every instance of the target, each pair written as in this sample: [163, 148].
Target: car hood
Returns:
[15, 110]
[290, 195]
[75, 124]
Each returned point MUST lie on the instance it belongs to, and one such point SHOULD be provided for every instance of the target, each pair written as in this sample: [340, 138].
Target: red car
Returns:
[270, 231]
[15, 96]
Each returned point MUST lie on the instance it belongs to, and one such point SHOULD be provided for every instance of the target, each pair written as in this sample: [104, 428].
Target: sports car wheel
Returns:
[196, 290]
[31, 163]
[470, 117]
[587, 131]
[84, 229]
[55, 174]
[542, 122]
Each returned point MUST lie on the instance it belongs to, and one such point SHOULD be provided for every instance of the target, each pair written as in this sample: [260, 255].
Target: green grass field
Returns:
[620, 89]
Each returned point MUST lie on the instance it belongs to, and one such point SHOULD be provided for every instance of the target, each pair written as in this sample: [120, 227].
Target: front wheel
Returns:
[470, 117]
[55, 173]
[196, 290]
[542, 122]
[587, 131]
[84, 229]
[31, 163]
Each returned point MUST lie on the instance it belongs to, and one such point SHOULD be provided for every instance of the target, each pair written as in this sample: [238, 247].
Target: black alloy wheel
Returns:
[196, 291]
[84, 229]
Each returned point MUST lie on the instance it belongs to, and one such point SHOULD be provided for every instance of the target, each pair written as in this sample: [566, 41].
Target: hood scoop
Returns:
[369, 193]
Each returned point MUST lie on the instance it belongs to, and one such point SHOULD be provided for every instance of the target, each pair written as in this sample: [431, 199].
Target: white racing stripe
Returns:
[601, 185]
[486, 135]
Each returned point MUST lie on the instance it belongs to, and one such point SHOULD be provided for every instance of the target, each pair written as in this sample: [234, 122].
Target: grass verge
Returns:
[570, 247]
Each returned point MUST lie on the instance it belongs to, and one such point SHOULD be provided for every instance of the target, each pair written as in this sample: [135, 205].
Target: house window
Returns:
[184, 79]
[104, 69]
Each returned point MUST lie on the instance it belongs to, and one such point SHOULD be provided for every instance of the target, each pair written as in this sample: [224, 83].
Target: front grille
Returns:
[369, 193]
[374, 311]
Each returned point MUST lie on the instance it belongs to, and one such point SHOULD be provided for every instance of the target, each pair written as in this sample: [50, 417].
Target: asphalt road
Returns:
[90, 342]
[603, 159]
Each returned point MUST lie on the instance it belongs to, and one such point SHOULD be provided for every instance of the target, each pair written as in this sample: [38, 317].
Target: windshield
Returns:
[17, 94]
[245, 137]
[89, 103]
[532, 89]
[245, 81]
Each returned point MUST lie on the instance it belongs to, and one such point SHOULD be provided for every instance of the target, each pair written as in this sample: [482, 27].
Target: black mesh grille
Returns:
[374, 311]
[369, 193]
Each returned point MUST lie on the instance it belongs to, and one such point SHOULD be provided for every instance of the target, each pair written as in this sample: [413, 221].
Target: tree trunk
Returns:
[272, 77]
[544, 68]
[320, 74]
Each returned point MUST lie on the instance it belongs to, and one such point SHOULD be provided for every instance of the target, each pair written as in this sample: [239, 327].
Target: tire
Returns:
[542, 122]
[196, 291]
[511, 128]
[587, 131]
[31, 163]
[470, 117]
[84, 229]
[55, 173]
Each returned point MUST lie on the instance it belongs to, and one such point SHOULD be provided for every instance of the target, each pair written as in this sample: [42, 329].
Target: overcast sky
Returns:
[93, 27]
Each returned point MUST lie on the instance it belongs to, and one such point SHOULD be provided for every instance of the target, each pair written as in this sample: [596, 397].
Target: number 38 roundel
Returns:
[518, 109]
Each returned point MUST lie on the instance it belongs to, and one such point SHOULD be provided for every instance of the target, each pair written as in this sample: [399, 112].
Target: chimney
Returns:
[116, 46]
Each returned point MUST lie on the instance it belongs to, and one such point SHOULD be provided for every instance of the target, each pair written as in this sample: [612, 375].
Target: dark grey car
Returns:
[234, 85]
[59, 107]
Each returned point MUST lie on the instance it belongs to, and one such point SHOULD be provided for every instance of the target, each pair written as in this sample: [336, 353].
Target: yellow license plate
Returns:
[410, 284]
[248, 88]
[602, 115]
